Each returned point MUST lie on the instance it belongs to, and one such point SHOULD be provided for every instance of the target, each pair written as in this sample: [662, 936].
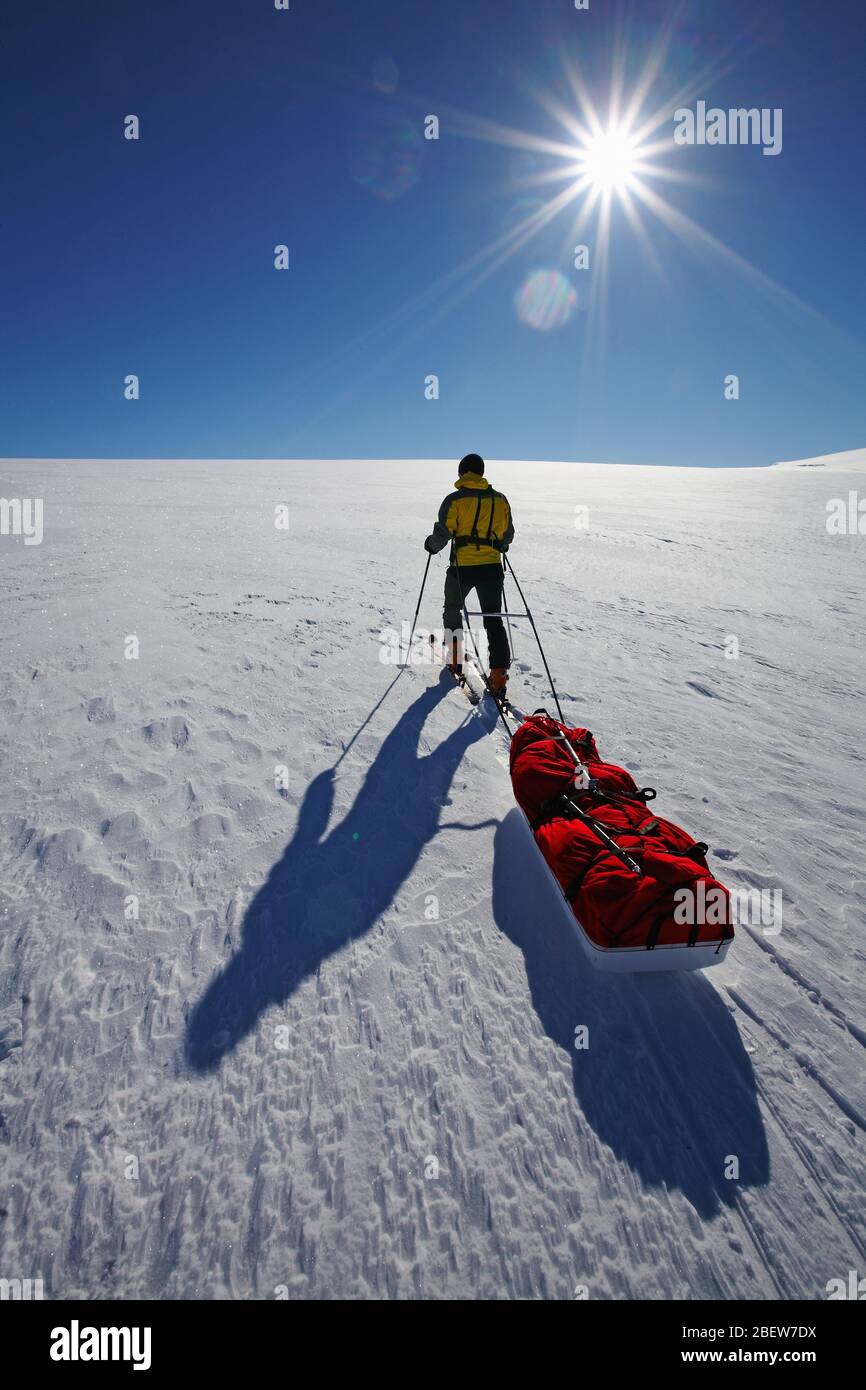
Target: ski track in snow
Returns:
[285, 1038]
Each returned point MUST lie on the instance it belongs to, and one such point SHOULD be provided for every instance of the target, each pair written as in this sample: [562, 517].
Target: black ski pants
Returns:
[487, 581]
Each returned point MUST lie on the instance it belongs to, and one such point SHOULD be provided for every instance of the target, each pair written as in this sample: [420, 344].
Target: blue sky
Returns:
[260, 127]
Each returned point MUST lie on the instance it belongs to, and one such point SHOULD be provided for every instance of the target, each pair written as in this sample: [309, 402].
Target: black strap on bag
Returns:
[647, 828]
[654, 933]
[551, 809]
[572, 887]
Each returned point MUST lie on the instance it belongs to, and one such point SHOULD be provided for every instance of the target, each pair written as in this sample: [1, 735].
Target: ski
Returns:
[500, 697]
[474, 684]
[505, 705]
[479, 682]
[472, 693]
[512, 712]
[462, 682]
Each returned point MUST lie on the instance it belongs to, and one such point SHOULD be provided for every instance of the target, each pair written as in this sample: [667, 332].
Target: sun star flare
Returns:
[609, 159]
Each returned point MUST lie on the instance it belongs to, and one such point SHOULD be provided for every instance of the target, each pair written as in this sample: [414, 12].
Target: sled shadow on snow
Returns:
[665, 1083]
[330, 888]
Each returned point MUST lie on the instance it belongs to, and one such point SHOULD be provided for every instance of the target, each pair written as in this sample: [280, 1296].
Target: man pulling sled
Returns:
[476, 520]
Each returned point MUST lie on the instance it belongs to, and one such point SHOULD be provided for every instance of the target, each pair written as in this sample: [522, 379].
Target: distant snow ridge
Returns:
[851, 461]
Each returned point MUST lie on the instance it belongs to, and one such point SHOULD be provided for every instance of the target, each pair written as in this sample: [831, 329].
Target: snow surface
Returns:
[284, 1040]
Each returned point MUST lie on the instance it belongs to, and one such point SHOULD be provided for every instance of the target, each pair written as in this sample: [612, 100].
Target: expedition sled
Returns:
[641, 894]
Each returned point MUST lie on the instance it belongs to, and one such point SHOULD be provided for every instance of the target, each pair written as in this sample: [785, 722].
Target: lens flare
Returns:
[546, 300]
[386, 75]
[386, 156]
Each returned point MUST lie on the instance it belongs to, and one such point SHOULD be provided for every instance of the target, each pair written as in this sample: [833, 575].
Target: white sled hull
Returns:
[634, 960]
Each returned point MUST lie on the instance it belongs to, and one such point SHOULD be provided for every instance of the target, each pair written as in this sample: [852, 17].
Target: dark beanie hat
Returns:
[470, 463]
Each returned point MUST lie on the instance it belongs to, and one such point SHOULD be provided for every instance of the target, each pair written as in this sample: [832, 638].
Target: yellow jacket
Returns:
[476, 519]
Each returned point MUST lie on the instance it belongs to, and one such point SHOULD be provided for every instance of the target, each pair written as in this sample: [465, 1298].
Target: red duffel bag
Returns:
[672, 899]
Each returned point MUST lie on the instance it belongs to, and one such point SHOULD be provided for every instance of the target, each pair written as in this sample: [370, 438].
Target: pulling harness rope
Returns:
[574, 811]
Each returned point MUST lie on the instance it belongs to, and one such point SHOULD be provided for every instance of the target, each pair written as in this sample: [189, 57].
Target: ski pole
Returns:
[583, 779]
[607, 840]
[586, 783]
[418, 604]
[508, 620]
[537, 638]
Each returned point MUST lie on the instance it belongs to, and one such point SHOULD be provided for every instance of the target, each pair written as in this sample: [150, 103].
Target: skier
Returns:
[477, 521]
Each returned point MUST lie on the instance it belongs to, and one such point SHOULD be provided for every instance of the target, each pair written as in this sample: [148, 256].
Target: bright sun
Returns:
[609, 159]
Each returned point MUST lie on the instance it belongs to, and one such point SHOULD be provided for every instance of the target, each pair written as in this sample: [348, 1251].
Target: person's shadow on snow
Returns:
[329, 889]
[665, 1082]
